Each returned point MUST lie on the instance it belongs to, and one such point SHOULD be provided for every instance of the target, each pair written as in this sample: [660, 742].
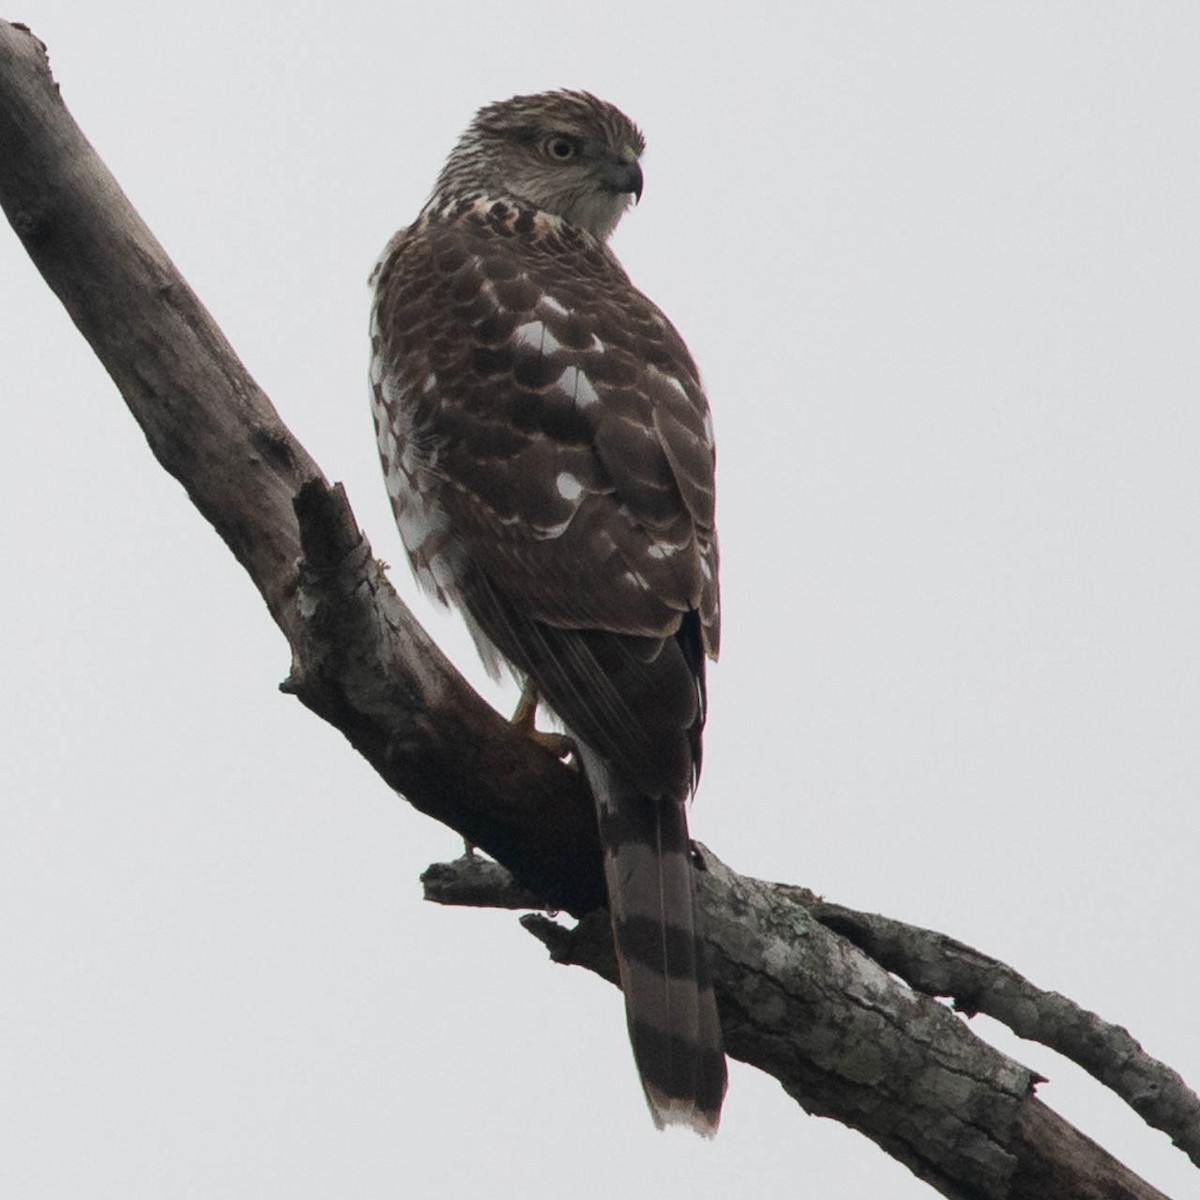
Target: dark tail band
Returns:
[669, 1000]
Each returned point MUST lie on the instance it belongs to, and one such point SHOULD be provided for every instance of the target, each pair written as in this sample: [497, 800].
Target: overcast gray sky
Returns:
[939, 265]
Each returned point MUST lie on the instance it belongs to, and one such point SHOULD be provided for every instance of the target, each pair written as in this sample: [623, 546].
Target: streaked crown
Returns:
[566, 153]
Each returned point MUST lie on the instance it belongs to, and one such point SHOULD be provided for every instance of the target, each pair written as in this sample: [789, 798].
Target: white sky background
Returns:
[939, 265]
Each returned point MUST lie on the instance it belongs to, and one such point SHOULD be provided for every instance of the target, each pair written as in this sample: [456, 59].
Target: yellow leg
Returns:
[526, 711]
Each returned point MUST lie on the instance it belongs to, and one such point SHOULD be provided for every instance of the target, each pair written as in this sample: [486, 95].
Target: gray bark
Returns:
[806, 989]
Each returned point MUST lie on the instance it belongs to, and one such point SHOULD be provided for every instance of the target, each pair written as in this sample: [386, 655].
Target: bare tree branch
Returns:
[939, 965]
[798, 999]
[935, 965]
[843, 1037]
[359, 658]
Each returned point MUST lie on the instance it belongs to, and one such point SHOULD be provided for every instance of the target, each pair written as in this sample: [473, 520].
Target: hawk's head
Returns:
[566, 153]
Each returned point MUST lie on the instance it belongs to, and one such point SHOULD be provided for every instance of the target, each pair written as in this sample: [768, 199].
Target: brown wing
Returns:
[558, 419]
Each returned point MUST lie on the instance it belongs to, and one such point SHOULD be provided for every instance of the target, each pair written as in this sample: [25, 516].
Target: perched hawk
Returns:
[548, 453]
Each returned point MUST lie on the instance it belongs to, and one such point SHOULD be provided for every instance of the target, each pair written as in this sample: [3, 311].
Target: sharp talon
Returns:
[524, 719]
[558, 744]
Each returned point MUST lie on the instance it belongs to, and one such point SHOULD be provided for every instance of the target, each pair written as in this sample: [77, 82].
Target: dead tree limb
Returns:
[938, 965]
[805, 991]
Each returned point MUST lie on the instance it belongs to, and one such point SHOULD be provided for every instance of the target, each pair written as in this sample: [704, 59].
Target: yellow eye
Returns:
[562, 148]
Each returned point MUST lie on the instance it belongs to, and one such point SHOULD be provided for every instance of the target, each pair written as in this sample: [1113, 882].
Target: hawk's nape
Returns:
[548, 453]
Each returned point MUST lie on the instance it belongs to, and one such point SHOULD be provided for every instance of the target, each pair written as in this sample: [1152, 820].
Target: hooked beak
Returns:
[624, 177]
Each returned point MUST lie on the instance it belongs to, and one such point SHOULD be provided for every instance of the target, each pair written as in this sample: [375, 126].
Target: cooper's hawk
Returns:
[548, 453]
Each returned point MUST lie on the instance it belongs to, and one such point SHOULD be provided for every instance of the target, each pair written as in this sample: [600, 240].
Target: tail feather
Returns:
[669, 1002]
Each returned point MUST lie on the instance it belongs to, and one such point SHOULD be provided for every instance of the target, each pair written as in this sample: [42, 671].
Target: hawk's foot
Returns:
[524, 718]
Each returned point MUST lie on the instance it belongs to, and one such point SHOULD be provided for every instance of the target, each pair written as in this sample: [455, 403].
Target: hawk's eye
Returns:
[562, 148]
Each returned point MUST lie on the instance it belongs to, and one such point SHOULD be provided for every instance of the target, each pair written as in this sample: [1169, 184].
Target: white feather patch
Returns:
[569, 488]
[578, 386]
[536, 336]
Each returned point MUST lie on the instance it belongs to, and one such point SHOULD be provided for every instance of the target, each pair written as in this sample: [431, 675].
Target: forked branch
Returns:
[804, 988]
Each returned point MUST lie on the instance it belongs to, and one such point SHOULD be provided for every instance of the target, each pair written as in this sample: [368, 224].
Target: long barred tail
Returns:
[669, 999]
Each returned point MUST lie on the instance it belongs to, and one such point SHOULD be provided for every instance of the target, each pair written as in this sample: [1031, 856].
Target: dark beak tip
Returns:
[636, 182]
